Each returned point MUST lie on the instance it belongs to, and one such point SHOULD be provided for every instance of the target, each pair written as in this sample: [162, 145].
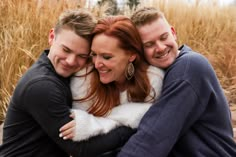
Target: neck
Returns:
[121, 86]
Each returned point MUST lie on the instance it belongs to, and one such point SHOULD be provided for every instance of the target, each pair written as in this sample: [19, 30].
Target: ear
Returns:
[173, 32]
[51, 36]
[132, 57]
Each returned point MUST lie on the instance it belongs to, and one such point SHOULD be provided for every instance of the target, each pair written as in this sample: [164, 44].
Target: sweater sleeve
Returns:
[50, 107]
[129, 114]
[162, 124]
[88, 125]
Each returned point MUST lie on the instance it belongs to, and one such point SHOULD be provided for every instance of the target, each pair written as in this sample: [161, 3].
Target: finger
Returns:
[72, 115]
[67, 126]
[68, 134]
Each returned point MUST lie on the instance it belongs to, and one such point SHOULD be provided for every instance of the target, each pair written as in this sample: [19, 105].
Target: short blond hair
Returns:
[146, 15]
[81, 21]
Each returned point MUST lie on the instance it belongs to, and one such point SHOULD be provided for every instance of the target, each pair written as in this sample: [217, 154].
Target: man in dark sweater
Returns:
[192, 117]
[42, 99]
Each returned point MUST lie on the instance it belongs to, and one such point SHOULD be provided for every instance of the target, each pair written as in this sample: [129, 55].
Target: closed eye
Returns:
[85, 56]
[107, 57]
[164, 36]
[148, 44]
[66, 50]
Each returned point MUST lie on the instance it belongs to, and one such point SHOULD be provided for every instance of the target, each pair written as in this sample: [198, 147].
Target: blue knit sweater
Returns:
[191, 118]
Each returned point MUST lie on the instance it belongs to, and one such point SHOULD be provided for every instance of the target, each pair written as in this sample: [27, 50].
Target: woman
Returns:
[120, 86]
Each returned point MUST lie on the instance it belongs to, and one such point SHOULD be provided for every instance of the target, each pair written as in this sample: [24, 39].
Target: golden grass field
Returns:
[24, 28]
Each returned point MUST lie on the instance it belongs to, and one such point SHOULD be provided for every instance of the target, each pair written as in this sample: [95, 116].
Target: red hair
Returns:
[105, 97]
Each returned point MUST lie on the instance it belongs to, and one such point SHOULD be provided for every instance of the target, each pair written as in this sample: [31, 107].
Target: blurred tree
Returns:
[133, 4]
[111, 6]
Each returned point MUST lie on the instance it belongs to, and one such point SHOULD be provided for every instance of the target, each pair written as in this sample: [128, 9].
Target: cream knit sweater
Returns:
[127, 113]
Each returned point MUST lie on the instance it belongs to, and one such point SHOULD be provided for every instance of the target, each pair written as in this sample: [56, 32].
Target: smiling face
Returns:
[68, 52]
[159, 40]
[109, 59]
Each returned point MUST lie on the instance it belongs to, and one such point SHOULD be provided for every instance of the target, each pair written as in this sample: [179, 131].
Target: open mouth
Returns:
[103, 71]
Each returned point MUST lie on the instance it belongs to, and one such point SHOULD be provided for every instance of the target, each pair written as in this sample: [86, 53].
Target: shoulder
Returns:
[155, 72]
[43, 73]
[80, 83]
[40, 90]
[189, 61]
[155, 76]
[40, 79]
[192, 59]
[189, 66]
[196, 62]
[45, 84]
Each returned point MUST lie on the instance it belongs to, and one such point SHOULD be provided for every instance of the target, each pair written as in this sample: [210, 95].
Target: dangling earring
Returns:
[130, 71]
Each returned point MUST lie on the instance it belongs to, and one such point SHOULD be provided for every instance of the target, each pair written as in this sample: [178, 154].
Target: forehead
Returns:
[71, 40]
[154, 29]
[104, 43]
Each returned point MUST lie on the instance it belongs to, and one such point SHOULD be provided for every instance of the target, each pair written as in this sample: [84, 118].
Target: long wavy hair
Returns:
[107, 96]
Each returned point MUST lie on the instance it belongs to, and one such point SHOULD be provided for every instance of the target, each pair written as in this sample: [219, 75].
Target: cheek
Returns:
[148, 54]
[81, 63]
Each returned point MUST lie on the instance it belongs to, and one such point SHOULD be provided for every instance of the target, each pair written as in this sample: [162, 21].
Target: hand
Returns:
[67, 131]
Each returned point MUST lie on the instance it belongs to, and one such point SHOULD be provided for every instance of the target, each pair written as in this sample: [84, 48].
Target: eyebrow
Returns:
[166, 33]
[102, 53]
[82, 53]
[66, 47]
[150, 41]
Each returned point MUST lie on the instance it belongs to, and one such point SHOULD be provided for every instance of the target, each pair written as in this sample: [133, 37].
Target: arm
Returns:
[86, 125]
[163, 123]
[129, 114]
[51, 110]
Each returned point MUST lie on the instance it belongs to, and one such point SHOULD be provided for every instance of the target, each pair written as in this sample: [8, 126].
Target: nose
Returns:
[97, 62]
[71, 60]
[159, 46]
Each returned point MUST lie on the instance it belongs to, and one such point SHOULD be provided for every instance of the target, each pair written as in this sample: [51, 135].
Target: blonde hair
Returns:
[81, 21]
[146, 15]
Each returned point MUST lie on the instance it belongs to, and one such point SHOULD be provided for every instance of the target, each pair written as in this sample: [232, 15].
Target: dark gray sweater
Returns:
[39, 106]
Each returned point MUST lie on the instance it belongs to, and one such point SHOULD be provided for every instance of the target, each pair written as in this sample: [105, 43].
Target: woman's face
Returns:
[109, 59]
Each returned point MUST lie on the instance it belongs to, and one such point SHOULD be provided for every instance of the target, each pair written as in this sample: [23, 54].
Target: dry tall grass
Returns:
[24, 26]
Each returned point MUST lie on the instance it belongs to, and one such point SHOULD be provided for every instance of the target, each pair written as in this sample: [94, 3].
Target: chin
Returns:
[102, 81]
[65, 74]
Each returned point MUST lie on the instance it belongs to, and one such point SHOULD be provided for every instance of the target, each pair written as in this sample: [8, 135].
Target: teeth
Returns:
[162, 55]
[103, 71]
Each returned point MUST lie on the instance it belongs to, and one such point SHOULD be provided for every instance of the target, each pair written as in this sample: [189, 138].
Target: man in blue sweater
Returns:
[192, 116]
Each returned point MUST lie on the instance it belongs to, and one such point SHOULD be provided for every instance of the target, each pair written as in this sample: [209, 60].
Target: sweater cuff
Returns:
[81, 123]
[87, 125]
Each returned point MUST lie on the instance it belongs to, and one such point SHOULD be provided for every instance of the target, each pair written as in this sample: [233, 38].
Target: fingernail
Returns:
[60, 135]
[64, 138]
